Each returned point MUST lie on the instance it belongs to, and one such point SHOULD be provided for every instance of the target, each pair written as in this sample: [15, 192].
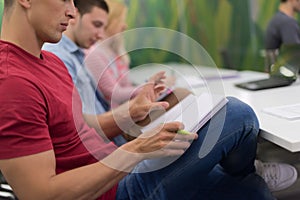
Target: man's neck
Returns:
[287, 9]
[69, 33]
[14, 33]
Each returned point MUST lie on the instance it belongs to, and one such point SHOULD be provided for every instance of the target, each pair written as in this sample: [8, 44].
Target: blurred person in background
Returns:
[283, 28]
[109, 62]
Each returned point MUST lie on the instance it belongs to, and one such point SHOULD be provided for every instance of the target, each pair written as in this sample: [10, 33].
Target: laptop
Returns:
[283, 73]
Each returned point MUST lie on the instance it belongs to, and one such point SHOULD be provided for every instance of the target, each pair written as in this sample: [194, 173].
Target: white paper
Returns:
[190, 81]
[290, 112]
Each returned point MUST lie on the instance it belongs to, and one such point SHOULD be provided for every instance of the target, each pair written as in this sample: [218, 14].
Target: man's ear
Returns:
[25, 3]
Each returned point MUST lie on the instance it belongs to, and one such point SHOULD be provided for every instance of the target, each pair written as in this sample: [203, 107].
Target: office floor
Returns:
[271, 152]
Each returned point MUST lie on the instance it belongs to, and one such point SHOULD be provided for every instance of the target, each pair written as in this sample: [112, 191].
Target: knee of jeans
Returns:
[239, 110]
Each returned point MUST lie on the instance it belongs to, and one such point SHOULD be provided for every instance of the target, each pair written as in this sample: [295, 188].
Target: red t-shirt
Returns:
[41, 110]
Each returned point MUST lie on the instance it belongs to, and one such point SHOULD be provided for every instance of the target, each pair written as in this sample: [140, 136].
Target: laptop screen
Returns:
[283, 72]
[288, 62]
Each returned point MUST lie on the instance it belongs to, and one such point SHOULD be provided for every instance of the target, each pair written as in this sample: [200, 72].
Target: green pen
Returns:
[183, 132]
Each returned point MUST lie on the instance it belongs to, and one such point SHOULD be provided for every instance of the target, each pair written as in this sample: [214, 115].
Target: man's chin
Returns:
[54, 40]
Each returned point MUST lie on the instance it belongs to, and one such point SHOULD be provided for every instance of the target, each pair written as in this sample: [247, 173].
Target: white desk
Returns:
[282, 132]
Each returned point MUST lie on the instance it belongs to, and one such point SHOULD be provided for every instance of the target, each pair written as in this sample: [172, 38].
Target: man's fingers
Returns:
[158, 105]
[160, 87]
[177, 144]
[157, 78]
[175, 127]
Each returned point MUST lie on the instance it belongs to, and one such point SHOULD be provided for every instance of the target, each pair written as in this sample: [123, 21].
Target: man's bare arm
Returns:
[122, 118]
[34, 177]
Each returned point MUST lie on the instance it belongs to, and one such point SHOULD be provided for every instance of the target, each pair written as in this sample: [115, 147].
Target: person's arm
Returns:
[122, 118]
[34, 177]
[99, 64]
[104, 124]
[114, 90]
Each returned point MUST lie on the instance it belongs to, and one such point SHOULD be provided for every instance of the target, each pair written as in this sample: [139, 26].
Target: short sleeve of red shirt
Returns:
[23, 119]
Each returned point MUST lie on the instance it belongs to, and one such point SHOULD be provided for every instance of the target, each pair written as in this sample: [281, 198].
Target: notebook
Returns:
[284, 72]
[193, 111]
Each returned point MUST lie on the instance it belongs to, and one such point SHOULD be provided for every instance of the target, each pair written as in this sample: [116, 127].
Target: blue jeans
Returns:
[224, 171]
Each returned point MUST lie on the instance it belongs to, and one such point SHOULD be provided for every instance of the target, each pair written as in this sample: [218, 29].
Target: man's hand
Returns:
[139, 107]
[161, 142]
[145, 101]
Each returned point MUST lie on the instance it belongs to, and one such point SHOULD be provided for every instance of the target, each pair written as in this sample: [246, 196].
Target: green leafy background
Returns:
[232, 28]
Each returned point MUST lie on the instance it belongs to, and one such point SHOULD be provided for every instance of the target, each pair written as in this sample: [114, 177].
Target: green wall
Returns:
[234, 27]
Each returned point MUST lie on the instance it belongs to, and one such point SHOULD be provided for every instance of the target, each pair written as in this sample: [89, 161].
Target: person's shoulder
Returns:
[4, 49]
[20, 86]
[10, 48]
[281, 17]
[62, 46]
[56, 50]
[280, 21]
[54, 47]
[4, 44]
[48, 55]
[99, 52]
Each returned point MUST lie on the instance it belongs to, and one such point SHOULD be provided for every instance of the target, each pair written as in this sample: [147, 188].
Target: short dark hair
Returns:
[282, 1]
[85, 6]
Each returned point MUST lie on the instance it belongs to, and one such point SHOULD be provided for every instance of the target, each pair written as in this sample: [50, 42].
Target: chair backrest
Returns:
[6, 192]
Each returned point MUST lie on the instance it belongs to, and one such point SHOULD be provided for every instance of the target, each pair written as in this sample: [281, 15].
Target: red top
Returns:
[41, 110]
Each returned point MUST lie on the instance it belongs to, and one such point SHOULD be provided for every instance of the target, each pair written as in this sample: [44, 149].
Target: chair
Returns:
[6, 192]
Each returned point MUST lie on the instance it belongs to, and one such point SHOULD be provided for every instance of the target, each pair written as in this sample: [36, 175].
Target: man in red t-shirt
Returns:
[42, 128]
[48, 152]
